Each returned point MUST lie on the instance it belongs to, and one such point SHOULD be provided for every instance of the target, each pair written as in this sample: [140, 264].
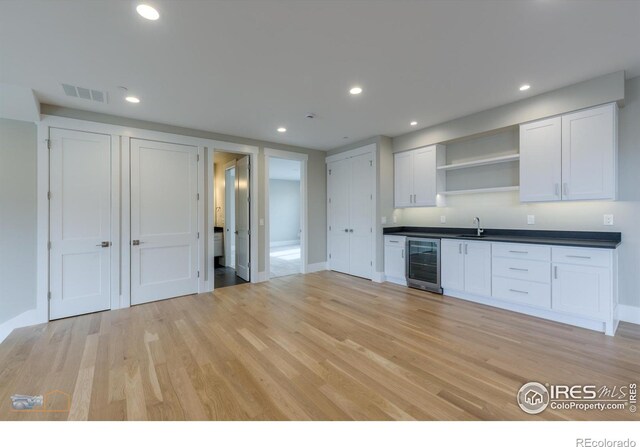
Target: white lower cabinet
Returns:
[394, 259]
[466, 266]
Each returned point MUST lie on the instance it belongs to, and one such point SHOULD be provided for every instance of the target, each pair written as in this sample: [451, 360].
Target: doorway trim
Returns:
[304, 252]
[252, 152]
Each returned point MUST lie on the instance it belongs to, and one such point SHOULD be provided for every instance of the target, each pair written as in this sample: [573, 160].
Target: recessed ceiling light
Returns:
[132, 99]
[355, 90]
[413, 123]
[524, 87]
[148, 12]
[282, 129]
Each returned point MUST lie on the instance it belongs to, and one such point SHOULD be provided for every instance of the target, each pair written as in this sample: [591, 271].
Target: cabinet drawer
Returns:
[522, 292]
[394, 240]
[538, 271]
[522, 251]
[582, 256]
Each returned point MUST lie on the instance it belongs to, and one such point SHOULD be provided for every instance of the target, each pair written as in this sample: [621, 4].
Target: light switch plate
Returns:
[608, 219]
[531, 219]
[384, 220]
[395, 220]
[443, 219]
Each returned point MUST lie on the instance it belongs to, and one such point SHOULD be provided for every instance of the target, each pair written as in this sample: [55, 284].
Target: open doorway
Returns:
[286, 200]
[232, 216]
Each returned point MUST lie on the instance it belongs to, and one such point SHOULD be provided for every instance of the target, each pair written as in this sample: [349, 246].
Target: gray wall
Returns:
[284, 210]
[504, 210]
[17, 218]
[316, 186]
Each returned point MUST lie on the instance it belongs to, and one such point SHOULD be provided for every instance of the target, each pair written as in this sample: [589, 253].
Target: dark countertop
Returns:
[590, 239]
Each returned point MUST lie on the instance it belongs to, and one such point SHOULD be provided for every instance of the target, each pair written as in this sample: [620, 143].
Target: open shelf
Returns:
[480, 190]
[482, 162]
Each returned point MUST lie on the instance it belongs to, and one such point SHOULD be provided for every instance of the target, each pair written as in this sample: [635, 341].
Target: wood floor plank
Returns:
[323, 346]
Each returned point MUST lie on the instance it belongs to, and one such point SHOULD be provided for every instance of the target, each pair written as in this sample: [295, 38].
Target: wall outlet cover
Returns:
[443, 219]
[608, 219]
[531, 219]
[395, 220]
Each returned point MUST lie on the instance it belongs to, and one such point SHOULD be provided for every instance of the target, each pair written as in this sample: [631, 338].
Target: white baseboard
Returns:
[27, 318]
[630, 314]
[262, 277]
[317, 267]
[377, 277]
[399, 281]
[284, 243]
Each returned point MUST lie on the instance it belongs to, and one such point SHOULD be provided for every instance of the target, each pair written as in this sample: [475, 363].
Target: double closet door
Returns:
[82, 231]
[351, 215]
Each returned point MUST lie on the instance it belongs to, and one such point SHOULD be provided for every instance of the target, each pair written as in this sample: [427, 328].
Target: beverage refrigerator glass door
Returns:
[423, 264]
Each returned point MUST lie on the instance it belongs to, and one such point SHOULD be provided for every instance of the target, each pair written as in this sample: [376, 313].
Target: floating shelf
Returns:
[480, 190]
[484, 161]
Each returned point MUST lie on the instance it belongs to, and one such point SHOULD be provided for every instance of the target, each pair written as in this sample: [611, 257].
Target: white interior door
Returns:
[338, 179]
[243, 237]
[230, 217]
[80, 225]
[164, 214]
[360, 215]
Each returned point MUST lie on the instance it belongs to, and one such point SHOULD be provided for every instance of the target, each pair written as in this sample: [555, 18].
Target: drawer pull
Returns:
[555, 272]
[580, 257]
[520, 270]
[519, 251]
[393, 242]
[518, 291]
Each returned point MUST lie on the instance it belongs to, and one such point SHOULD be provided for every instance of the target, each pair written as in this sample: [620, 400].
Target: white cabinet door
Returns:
[589, 154]
[338, 183]
[540, 160]
[403, 179]
[360, 215]
[164, 220]
[452, 260]
[394, 262]
[424, 176]
[80, 222]
[477, 267]
[581, 290]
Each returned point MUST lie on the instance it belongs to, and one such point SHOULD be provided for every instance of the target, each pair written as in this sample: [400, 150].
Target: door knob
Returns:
[104, 244]
[136, 242]
[235, 232]
[346, 230]
[351, 230]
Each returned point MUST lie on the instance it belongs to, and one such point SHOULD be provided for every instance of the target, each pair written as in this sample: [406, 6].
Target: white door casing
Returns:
[164, 219]
[243, 243]
[80, 222]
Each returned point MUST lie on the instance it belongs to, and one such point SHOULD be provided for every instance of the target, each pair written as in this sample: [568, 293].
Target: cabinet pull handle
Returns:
[466, 250]
[403, 253]
[410, 198]
[557, 189]
[520, 270]
[414, 199]
[393, 242]
[518, 291]
[579, 257]
[555, 272]
[565, 188]
[459, 248]
[519, 251]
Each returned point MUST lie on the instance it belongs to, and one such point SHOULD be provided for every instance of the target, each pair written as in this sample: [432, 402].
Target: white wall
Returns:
[284, 210]
[17, 218]
[504, 210]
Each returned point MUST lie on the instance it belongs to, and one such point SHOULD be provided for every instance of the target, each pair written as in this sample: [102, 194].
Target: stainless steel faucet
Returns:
[476, 220]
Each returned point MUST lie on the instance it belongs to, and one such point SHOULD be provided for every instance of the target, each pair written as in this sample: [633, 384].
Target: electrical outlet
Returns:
[261, 222]
[384, 220]
[608, 219]
[395, 219]
[443, 219]
[531, 219]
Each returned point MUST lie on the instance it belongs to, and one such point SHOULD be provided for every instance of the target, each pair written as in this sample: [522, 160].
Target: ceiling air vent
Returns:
[85, 93]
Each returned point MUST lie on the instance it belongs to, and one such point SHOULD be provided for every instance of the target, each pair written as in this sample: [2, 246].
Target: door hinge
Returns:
[329, 255]
[371, 196]
[48, 143]
[49, 245]
[371, 263]
[249, 232]
[249, 265]
[198, 157]
[48, 295]
[198, 196]
[329, 171]
[48, 195]
[329, 200]
[371, 163]
[198, 235]
[329, 227]
[198, 273]
[371, 229]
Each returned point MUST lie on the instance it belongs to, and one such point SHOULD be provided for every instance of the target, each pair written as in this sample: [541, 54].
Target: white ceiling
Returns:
[247, 67]
[281, 169]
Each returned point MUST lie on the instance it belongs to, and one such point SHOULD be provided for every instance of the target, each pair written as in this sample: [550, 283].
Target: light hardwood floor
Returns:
[322, 346]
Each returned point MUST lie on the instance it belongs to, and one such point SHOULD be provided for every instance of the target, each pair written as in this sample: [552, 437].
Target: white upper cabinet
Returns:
[540, 160]
[415, 177]
[572, 157]
[589, 154]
